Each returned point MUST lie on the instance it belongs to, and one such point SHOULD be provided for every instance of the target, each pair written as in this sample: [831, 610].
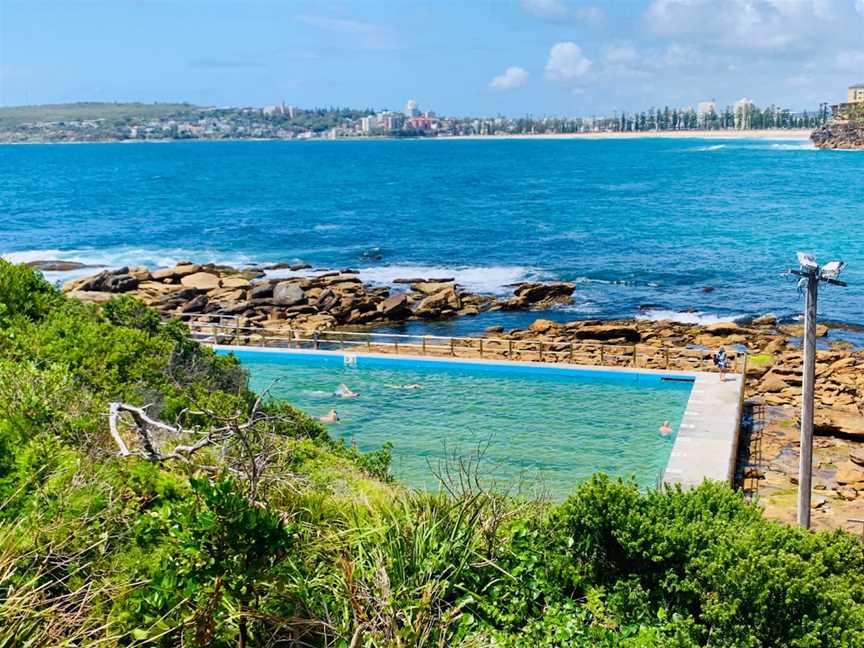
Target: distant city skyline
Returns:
[510, 57]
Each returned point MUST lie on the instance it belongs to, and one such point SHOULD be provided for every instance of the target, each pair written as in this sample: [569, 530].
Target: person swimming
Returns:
[330, 417]
[343, 391]
[665, 429]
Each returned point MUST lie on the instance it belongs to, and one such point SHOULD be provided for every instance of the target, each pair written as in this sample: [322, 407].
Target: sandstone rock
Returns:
[494, 329]
[541, 295]
[839, 134]
[235, 282]
[196, 305]
[725, 329]
[772, 383]
[856, 455]
[430, 287]
[848, 473]
[765, 320]
[393, 305]
[542, 326]
[288, 293]
[203, 281]
[177, 272]
[438, 303]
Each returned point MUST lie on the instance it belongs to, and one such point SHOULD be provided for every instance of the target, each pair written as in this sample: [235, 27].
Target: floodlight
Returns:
[807, 261]
[832, 269]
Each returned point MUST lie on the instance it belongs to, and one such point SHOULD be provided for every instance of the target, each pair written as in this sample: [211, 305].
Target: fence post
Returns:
[237, 330]
[634, 355]
[481, 347]
[452, 350]
[396, 346]
[571, 353]
[341, 341]
[317, 342]
[601, 355]
[368, 342]
[423, 345]
[509, 349]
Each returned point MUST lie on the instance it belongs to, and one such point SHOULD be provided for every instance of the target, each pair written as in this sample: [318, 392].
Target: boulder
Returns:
[539, 296]
[120, 283]
[542, 326]
[203, 281]
[439, 303]
[235, 282]
[177, 272]
[431, 287]
[393, 305]
[53, 265]
[772, 383]
[856, 455]
[765, 320]
[848, 473]
[261, 291]
[288, 293]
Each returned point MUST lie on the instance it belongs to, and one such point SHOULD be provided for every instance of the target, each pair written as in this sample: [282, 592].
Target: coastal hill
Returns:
[17, 116]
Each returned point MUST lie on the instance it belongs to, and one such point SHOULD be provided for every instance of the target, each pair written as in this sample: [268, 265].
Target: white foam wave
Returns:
[122, 256]
[794, 147]
[713, 147]
[697, 317]
[481, 279]
[326, 227]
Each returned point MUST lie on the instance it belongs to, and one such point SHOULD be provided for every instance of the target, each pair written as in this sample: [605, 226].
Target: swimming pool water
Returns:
[541, 429]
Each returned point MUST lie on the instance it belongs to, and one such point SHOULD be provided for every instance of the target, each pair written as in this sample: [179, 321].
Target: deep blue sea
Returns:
[693, 229]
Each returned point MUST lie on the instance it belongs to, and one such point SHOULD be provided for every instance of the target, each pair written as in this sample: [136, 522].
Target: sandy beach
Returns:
[769, 134]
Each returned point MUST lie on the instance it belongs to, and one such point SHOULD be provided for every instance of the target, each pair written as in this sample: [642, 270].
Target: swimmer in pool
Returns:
[343, 391]
[665, 430]
[330, 417]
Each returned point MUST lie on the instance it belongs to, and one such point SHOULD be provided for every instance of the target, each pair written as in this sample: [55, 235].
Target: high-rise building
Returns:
[411, 109]
[742, 112]
[856, 93]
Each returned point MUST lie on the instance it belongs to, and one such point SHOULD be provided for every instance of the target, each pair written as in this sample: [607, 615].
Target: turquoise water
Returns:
[539, 428]
[643, 226]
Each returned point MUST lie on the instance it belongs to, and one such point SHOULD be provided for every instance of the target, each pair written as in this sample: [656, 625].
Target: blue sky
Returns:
[468, 57]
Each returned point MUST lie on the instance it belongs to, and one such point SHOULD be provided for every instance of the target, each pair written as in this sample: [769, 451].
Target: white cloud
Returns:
[620, 53]
[566, 63]
[550, 9]
[513, 77]
[859, 6]
[757, 24]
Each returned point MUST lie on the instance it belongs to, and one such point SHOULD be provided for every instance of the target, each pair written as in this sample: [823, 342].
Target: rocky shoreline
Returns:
[339, 299]
[839, 134]
[309, 301]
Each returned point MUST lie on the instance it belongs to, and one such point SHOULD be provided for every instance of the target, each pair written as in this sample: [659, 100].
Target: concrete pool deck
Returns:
[705, 447]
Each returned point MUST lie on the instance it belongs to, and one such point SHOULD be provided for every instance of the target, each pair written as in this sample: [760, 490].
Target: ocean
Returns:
[694, 230]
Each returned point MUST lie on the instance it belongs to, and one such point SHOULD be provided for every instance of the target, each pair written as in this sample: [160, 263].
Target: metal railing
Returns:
[231, 330]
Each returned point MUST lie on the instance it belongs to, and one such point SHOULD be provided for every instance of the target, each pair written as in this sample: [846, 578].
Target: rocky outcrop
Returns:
[839, 134]
[323, 300]
[540, 296]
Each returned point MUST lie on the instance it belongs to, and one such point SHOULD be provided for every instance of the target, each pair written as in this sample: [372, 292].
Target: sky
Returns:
[457, 57]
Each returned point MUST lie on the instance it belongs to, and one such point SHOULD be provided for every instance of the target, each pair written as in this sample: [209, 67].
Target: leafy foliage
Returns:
[313, 544]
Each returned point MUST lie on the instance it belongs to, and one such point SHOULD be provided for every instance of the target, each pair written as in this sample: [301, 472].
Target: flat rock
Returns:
[91, 296]
[203, 281]
[235, 281]
[54, 265]
[177, 272]
[848, 473]
[430, 287]
[393, 304]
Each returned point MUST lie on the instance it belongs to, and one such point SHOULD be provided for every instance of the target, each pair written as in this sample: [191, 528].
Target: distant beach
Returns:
[770, 134]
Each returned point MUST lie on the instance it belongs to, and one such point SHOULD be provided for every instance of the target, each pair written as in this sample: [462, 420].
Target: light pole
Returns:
[810, 276]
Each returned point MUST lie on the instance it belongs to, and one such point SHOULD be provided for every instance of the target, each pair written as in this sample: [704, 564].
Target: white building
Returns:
[369, 124]
[705, 108]
[742, 112]
[411, 109]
